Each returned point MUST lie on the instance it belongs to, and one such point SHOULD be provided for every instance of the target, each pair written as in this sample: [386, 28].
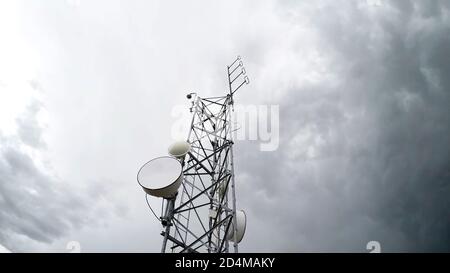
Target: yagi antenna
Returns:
[236, 76]
[196, 181]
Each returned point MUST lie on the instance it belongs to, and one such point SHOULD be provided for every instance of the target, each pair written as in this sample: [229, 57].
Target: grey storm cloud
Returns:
[363, 93]
[36, 206]
[366, 158]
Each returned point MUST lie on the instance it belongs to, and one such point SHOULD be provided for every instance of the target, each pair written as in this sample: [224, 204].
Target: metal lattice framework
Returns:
[199, 219]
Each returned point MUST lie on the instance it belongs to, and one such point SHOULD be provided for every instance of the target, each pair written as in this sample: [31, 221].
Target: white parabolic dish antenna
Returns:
[179, 149]
[161, 176]
[241, 224]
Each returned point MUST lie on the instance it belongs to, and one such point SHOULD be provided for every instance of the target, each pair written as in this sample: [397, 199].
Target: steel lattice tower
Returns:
[200, 217]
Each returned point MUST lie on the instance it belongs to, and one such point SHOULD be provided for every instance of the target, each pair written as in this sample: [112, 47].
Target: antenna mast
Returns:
[204, 218]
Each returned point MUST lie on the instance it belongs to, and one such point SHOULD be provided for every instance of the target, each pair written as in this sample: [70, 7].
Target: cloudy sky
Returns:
[88, 88]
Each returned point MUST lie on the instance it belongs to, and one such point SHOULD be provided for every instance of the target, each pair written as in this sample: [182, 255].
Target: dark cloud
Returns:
[36, 205]
[366, 158]
[363, 93]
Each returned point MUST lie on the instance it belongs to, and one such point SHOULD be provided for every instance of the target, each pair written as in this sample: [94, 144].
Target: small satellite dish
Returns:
[161, 176]
[241, 223]
[179, 149]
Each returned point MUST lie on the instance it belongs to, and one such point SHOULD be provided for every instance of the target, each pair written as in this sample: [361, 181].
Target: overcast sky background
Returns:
[87, 89]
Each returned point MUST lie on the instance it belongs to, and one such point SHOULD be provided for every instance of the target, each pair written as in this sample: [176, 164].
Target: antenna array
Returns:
[199, 214]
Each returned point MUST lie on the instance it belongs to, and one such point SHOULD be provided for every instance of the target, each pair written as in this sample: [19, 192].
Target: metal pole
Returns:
[233, 186]
[168, 218]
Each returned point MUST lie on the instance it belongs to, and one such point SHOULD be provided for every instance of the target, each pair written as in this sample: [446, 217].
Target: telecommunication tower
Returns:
[196, 181]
